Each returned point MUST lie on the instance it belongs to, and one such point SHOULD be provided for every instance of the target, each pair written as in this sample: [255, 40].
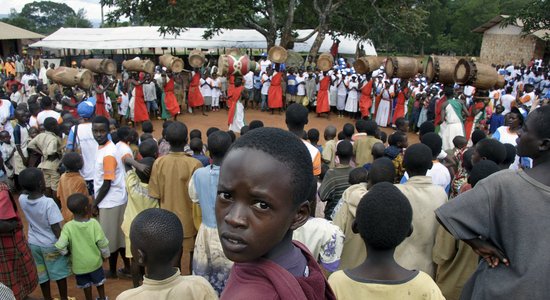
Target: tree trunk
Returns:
[286, 33]
[314, 51]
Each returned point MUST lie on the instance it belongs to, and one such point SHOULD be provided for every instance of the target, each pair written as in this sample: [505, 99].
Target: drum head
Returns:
[277, 54]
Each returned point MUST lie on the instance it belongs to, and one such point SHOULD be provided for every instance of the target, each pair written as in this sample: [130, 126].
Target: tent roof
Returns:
[496, 20]
[150, 37]
[10, 32]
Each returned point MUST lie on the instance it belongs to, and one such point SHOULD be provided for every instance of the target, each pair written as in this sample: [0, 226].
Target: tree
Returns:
[78, 20]
[534, 16]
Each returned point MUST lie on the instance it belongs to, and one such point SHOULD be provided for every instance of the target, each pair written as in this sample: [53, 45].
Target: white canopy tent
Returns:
[150, 37]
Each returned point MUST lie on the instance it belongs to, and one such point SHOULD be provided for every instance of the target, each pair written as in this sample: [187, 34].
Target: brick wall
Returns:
[504, 48]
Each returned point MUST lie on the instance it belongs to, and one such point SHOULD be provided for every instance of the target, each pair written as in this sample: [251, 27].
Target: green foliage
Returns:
[46, 17]
[535, 15]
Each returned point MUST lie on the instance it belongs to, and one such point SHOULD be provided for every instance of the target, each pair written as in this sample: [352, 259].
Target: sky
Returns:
[92, 7]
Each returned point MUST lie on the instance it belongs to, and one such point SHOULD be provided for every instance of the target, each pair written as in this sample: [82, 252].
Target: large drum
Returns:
[100, 66]
[172, 63]
[277, 54]
[402, 67]
[482, 76]
[367, 64]
[196, 58]
[325, 62]
[138, 65]
[441, 69]
[231, 65]
[71, 77]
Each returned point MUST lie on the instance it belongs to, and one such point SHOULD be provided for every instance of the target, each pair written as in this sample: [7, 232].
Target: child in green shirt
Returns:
[85, 242]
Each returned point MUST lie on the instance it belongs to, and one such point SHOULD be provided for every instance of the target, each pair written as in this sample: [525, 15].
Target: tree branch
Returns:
[307, 37]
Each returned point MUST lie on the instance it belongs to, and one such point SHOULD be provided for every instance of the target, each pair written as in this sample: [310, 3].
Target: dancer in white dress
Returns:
[353, 95]
[384, 108]
[452, 122]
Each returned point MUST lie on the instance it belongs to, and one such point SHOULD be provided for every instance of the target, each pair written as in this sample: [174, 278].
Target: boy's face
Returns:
[404, 127]
[5, 137]
[528, 144]
[33, 132]
[100, 132]
[255, 214]
[22, 117]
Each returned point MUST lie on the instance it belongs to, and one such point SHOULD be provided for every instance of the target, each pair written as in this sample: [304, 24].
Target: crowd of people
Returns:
[364, 214]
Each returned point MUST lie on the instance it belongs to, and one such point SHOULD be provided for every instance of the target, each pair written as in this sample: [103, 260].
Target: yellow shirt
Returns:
[329, 153]
[420, 286]
[47, 144]
[170, 183]
[174, 287]
[362, 149]
[138, 200]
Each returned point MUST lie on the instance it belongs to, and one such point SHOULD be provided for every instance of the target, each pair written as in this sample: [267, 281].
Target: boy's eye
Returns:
[261, 205]
[224, 195]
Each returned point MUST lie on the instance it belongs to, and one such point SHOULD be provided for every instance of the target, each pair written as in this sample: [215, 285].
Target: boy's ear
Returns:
[302, 215]
[544, 145]
[142, 257]
[354, 228]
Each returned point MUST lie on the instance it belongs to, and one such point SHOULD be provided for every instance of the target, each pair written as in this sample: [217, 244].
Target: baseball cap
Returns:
[86, 109]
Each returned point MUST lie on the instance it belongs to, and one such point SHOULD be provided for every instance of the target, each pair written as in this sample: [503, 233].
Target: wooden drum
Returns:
[231, 65]
[441, 69]
[277, 54]
[367, 64]
[325, 62]
[482, 76]
[402, 67]
[196, 58]
[138, 65]
[172, 63]
[100, 66]
[71, 77]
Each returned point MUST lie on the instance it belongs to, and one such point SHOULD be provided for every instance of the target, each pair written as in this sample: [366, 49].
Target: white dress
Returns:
[238, 119]
[451, 128]
[383, 113]
[351, 102]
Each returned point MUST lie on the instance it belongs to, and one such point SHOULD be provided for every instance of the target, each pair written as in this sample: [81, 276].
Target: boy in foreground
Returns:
[256, 218]
[384, 220]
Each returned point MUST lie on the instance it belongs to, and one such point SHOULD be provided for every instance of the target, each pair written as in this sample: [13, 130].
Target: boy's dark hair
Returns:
[244, 130]
[232, 135]
[348, 130]
[426, 127]
[396, 138]
[382, 170]
[176, 134]
[289, 150]
[482, 170]
[123, 133]
[371, 127]
[313, 135]
[344, 150]
[330, 132]
[296, 116]
[45, 102]
[195, 133]
[358, 175]
[383, 136]
[478, 135]
[166, 124]
[211, 130]
[255, 124]
[492, 150]
[196, 145]
[511, 152]
[30, 178]
[148, 161]
[384, 217]
[146, 136]
[341, 136]
[158, 233]
[418, 159]
[460, 142]
[77, 203]
[432, 140]
[72, 161]
[218, 144]
[378, 150]
[148, 148]
[147, 127]
[467, 160]
[50, 124]
[399, 122]
[361, 126]
[101, 120]
[542, 120]
[114, 138]
[111, 122]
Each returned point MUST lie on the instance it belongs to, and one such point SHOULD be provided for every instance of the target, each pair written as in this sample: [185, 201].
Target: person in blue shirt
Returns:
[497, 119]
[291, 87]
[257, 88]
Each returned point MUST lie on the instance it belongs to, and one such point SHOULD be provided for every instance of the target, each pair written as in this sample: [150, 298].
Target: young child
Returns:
[236, 108]
[84, 241]
[157, 235]
[377, 152]
[336, 180]
[397, 142]
[137, 188]
[362, 149]
[354, 252]
[44, 219]
[402, 125]
[20, 140]
[208, 259]
[8, 150]
[196, 146]
[497, 119]
[71, 182]
[329, 150]
[147, 127]
[174, 170]
[313, 137]
[384, 220]
[256, 218]
[489, 149]
[50, 147]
